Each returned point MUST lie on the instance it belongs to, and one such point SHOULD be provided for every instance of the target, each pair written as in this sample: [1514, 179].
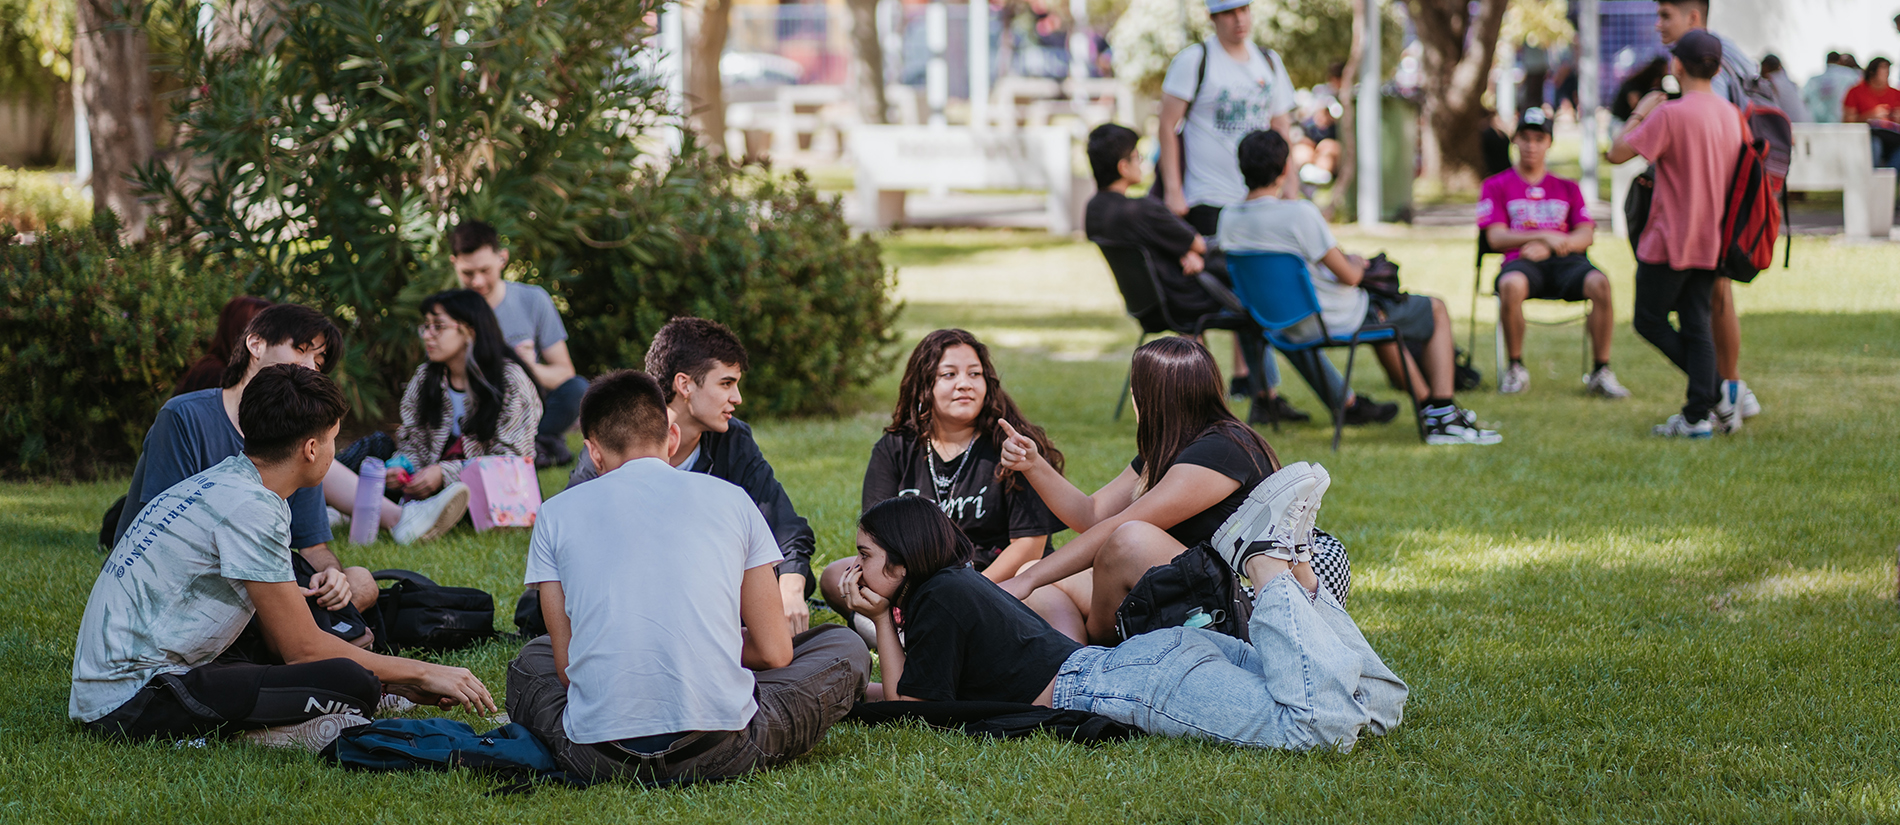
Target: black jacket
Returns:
[734, 456]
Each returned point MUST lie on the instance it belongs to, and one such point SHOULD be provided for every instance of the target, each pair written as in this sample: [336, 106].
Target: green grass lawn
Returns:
[1596, 625]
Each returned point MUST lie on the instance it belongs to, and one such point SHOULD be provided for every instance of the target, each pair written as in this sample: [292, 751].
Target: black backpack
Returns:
[415, 612]
[1177, 594]
[528, 615]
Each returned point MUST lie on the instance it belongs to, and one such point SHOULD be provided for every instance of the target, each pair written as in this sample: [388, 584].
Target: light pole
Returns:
[1367, 118]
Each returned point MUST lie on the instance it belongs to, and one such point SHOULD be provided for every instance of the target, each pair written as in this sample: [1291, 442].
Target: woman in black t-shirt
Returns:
[1306, 680]
[944, 444]
[1194, 465]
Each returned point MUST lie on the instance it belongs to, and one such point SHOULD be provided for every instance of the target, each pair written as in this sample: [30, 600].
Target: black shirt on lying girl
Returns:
[967, 640]
[1220, 452]
[990, 513]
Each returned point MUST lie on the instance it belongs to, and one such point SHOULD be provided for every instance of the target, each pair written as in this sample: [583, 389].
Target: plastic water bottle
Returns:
[368, 515]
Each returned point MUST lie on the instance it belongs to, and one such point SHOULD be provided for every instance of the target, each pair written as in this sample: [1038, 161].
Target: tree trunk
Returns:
[867, 62]
[110, 51]
[1346, 173]
[1456, 65]
[705, 93]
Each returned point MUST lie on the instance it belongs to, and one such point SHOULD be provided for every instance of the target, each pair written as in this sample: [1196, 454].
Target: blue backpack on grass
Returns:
[510, 753]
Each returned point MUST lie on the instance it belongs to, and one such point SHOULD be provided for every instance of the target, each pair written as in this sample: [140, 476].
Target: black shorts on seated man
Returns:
[667, 657]
[204, 557]
[195, 431]
[701, 363]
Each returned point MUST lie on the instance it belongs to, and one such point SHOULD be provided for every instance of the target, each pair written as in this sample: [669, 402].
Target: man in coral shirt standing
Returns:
[1693, 143]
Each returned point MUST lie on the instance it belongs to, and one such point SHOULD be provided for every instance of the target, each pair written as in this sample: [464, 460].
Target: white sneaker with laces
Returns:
[1679, 427]
[431, 517]
[1515, 379]
[1746, 400]
[311, 734]
[1459, 426]
[338, 521]
[1268, 514]
[1603, 383]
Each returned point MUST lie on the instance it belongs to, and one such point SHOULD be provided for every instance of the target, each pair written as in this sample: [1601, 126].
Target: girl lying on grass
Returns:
[1308, 679]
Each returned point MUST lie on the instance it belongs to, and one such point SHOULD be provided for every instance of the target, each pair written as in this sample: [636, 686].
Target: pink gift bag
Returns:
[503, 491]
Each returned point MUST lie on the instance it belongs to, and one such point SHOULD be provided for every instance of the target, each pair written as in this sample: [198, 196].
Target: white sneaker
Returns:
[1268, 515]
[313, 734]
[338, 521]
[391, 703]
[1603, 383]
[431, 517]
[1678, 427]
[1727, 415]
[1515, 379]
[1460, 426]
[1746, 400]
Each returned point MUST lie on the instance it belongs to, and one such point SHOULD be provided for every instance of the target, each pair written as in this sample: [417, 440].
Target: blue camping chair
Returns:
[1275, 289]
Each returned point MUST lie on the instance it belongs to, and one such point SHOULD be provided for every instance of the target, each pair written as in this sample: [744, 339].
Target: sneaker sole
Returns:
[1305, 530]
[1453, 440]
[1272, 495]
[315, 734]
[449, 517]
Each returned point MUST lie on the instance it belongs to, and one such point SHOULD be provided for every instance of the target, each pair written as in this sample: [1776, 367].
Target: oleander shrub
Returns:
[766, 255]
[93, 336]
[332, 154]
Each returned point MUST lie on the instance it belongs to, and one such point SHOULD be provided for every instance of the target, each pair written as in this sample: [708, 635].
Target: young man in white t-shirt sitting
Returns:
[154, 654]
[668, 657]
[1265, 223]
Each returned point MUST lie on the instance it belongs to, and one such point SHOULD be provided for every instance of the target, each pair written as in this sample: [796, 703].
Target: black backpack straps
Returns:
[409, 577]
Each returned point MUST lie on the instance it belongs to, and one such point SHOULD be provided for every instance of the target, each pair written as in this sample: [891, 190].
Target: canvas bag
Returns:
[503, 491]
[510, 753]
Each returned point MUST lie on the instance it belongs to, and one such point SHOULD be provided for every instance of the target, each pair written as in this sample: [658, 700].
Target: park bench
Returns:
[891, 161]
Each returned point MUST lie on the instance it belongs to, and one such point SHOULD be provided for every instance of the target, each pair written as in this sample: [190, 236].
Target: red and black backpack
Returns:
[1751, 220]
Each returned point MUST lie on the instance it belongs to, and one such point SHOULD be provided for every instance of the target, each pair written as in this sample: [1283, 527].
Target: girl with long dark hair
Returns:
[944, 444]
[1194, 465]
[1306, 680]
[471, 398]
[233, 320]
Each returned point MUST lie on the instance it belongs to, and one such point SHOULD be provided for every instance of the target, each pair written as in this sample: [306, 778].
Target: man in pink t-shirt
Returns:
[1693, 143]
[1541, 224]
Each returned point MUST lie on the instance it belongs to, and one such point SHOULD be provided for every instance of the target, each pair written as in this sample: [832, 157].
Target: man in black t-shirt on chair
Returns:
[1182, 255]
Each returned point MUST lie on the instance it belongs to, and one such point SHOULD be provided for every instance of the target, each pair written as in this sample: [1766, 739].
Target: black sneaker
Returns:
[1364, 410]
[1275, 409]
[551, 452]
[1237, 387]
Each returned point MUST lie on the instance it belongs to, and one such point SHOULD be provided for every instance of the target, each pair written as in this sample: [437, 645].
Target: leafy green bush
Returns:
[330, 162]
[93, 335]
[767, 256]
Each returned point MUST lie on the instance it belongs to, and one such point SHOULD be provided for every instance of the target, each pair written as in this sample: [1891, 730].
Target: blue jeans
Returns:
[1308, 680]
[561, 407]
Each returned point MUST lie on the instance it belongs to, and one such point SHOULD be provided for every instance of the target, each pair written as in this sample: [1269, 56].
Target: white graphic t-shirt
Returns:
[171, 595]
[1234, 99]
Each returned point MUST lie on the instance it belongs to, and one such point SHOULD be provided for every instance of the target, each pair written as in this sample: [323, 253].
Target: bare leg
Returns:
[1240, 361]
[1326, 155]
[1726, 327]
[1602, 319]
[830, 584]
[1441, 353]
[1130, 552]
[1513, 288]
[339, 491]
[1055, 608]
[1389, 359]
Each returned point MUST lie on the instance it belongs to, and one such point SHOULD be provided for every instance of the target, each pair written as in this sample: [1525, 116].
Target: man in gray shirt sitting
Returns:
[668, 657]
[532, 326]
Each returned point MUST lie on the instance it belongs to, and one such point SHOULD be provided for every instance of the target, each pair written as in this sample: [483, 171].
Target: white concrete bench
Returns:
[894, 160]
[1838, 157]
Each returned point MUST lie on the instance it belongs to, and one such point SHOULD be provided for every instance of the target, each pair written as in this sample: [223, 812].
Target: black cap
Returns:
[1533, 120]
[1697, 44]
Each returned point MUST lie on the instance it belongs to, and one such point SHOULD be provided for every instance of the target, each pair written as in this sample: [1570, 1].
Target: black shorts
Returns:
[1559, 278]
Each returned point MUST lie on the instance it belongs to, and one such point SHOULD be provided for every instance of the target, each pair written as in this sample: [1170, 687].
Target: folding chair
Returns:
[1275, 289]
[1140, 285]
[1477, 289]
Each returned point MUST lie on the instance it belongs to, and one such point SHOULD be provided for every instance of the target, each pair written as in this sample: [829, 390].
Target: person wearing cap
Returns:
[1542, 225]
[1735, 80]
[1216, 93]
[1693, 143]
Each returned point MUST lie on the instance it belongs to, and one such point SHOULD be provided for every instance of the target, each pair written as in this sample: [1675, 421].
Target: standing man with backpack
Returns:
[1693, 143]
[1216, 93]
[1735, 81]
